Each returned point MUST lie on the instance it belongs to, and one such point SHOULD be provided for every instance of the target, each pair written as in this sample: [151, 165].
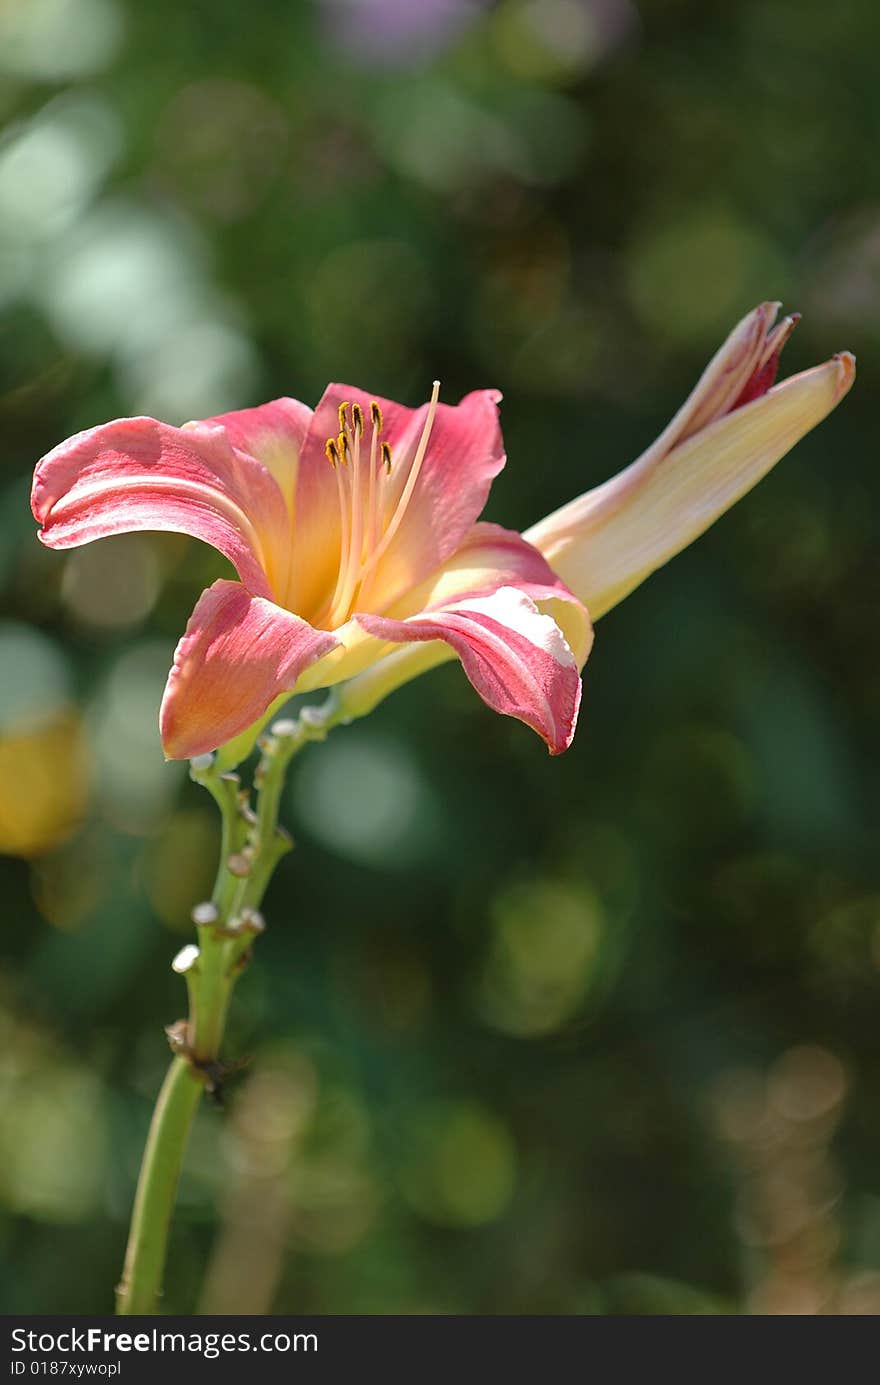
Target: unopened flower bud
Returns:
[185, 959]
[251, 921]
[285, 727]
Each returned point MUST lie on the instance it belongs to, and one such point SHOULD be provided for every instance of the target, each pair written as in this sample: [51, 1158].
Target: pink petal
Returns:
[138, 473]
[491, 557]
[273, 433]
[516, 657]
[238, 653]
[763, 377]
[464, 454]
[743, 368]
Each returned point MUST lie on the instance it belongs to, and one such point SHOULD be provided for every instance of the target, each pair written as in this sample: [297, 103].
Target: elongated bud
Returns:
[239, 865]
[730, 432]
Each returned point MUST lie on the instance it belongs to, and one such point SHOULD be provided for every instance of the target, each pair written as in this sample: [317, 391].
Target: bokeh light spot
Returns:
[364, 797]
[51, 166]
[180, 866]
[203, 368]
[135, 783]
[461, 1168]
[49, 40]
[34, 677]
[52, 1155]
[44, 780]
[689, 278]
[558, 40]
[112, 584]
[547, 937]
[352, 285]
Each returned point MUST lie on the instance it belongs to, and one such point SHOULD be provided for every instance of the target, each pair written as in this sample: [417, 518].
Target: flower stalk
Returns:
[252, 844]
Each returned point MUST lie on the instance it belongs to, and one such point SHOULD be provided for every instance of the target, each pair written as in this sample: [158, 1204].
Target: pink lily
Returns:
[353, 530]
[733, 428]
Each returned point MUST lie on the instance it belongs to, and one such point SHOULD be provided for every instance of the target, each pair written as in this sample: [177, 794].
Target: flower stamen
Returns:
[361, 542]
[406, 494]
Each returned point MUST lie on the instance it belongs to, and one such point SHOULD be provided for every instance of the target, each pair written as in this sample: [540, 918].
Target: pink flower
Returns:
[353, 530]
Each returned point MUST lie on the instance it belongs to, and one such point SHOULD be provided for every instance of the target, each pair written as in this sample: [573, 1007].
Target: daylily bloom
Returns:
[733, 428]
[353, 530]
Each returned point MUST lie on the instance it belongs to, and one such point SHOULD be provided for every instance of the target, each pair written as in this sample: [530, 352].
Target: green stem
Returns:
[210, 979]
[211, 987]
[169, 1130]
[251, 846]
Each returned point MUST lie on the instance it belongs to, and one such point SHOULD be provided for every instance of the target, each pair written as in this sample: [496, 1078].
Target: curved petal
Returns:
[465, 451]
[138, 473]
[369, 668]
[743, 367]
[273, 433]
[492, 557]
[237, 654]
[514, 655]
[608, 541]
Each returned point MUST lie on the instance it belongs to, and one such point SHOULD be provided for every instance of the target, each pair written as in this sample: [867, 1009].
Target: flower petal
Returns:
[514, 655]
[138, 473]
[404, 662]
[606, 542]
[735, 370]
[369, 669]
[465, 452]
[238, 653]
[491, 557]
[273, 433]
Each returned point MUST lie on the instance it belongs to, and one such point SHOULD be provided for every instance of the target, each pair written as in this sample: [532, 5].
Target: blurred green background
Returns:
[591, 1035]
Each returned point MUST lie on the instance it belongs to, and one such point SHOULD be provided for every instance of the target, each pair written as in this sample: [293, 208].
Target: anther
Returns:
[342, 446]
[332, 452]
[386, 456]
[357, 420]
[376, 416]
[342, 411]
